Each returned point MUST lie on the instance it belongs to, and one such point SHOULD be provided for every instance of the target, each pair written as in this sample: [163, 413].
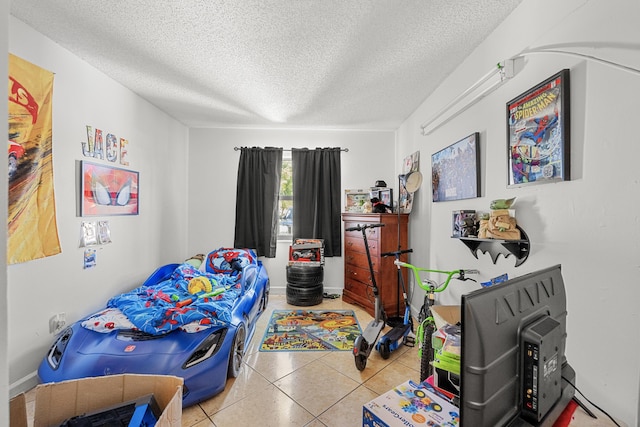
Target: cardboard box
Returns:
[56, 402]
[408, 405]
[18, 411]
[443, 314]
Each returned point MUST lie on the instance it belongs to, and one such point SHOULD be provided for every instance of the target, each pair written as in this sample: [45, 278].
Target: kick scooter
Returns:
[365, 342]
[399, 334]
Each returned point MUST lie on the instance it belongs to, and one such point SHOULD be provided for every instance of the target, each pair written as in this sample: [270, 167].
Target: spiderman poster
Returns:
[107, 190]
[538, 132]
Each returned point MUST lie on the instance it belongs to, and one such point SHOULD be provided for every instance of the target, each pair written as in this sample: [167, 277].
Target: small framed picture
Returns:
[107, 190]
[538, 131]
[463, 223]
[386, 196]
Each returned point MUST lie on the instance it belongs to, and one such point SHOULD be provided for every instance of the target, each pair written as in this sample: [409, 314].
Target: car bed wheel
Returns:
[237, 352]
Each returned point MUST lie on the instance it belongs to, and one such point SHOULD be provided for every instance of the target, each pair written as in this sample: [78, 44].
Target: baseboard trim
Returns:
[282, 290]
[24, 384]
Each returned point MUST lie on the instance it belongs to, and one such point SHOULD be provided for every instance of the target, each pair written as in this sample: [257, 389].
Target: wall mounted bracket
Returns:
[495, 247]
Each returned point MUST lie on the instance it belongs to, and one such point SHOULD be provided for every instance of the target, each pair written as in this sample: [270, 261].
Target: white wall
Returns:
[590, 224]
[157, 148]
[213, 165]
[4, 366]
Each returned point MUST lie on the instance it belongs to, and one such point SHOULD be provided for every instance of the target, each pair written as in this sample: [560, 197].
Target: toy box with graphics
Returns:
[307, 252]
[408, 405]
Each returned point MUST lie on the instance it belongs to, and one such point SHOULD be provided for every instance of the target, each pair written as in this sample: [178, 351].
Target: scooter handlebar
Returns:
[363, 227]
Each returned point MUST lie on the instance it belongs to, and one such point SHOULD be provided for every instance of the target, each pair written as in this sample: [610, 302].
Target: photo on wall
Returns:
[455, 170]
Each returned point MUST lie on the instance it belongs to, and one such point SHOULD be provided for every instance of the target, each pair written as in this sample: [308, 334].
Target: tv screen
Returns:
[497, 375]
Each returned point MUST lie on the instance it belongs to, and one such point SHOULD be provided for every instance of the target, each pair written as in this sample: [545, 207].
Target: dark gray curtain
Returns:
[258, 188]
[316, 197]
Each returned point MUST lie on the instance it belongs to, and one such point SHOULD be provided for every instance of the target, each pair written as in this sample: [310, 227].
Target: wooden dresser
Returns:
[357, 278]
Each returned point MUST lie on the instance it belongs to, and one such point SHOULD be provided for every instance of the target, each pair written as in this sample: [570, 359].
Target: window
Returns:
[285, 201]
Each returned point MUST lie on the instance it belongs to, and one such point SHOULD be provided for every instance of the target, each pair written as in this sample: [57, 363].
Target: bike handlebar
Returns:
[404, 251]
[363, 227]
[431, 285]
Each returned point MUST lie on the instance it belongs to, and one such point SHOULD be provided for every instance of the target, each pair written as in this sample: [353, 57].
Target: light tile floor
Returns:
[311, 389]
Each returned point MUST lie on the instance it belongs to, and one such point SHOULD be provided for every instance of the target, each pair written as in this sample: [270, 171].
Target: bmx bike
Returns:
[426, 322]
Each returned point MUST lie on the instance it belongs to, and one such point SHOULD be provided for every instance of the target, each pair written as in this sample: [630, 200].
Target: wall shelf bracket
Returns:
[495, 247]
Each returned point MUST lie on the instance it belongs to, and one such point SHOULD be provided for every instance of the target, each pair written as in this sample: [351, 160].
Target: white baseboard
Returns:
[24, 384]
[282, 290]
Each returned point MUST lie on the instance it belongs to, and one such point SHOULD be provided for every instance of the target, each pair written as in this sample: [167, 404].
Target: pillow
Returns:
[228, 260]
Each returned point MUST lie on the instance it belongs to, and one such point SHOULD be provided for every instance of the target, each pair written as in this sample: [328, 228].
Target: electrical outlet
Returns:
[57, 322]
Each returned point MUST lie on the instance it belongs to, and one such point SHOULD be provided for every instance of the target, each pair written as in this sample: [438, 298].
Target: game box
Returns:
[410, 404]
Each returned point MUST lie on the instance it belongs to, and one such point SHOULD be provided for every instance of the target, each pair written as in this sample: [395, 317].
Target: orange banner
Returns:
[32, 229]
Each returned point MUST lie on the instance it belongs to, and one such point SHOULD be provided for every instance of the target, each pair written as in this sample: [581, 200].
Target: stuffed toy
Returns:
[378, 207]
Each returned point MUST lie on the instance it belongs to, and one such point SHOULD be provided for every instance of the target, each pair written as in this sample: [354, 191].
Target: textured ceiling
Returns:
[291, 63]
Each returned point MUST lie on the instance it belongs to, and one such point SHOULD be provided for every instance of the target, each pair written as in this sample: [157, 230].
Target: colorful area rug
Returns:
[311, 330]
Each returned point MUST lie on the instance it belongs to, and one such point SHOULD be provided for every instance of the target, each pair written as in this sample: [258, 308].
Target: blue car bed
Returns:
[192, 320]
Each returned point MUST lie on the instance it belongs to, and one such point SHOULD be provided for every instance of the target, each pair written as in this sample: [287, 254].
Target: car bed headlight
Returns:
[206, 349]
[57, 349]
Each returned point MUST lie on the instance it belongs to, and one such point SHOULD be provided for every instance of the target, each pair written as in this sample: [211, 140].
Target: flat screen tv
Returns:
[513, 366]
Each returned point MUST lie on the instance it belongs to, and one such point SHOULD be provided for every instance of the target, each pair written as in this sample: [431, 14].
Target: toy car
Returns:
[204, 352]
[311, 254]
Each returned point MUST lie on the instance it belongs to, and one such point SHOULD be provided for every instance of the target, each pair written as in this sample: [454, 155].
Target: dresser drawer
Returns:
[360, 292]
[372, 233]
[361, 274]
[356, 244]
[358, 259]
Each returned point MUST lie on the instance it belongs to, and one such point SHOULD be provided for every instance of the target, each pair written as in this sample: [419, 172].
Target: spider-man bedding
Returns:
[168, 305]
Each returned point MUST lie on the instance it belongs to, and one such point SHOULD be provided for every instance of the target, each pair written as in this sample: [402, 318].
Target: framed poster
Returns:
[538, 133]
[107, 190]
[455, 170]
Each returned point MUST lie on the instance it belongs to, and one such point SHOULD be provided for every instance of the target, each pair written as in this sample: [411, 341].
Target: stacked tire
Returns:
[305, 285]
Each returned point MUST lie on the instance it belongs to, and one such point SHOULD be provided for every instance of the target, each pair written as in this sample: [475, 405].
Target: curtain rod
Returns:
[346, 150]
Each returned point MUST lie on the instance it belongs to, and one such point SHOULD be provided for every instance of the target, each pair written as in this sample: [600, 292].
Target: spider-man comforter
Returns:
[156, 309]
